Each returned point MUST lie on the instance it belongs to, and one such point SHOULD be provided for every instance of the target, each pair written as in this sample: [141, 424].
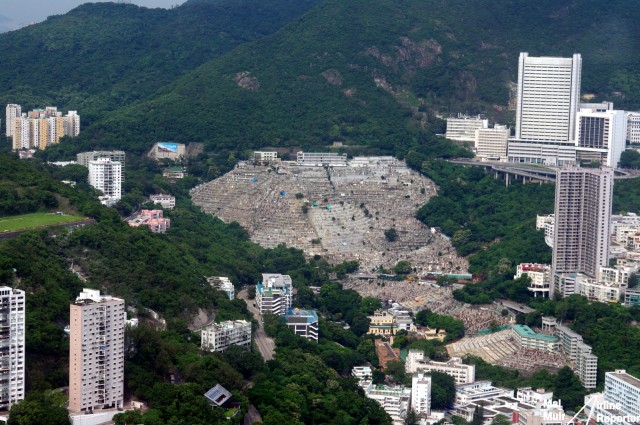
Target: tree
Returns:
[500, 420]
[391, 234]
[402, 267]
[40, 408]
[443, 390]
[478, 416]
[412, 418]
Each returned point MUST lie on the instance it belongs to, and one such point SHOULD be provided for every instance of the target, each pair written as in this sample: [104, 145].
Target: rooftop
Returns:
[527, 332]
[310, 315]
[624, 376]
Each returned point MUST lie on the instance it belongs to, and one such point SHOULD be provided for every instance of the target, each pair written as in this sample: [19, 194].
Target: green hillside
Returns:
[101, 56]
[363, 72]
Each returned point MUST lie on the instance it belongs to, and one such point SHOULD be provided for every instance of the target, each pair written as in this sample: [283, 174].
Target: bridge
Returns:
[529, 173]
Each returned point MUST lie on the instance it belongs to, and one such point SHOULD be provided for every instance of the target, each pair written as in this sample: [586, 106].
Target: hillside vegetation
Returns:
[363, 72]
[102, 56]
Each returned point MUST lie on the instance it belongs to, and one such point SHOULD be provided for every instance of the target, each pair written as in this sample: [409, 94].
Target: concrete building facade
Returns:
[220, 336]
[96, 352]
[303, 323]
[106, 176]
[463, 128]
[12, 111]
[274, 294]
[600, 136]
[492, 143]
[12, 346]
[84, 158]
[421, 394]
[322, 159]
[548, 98]
[461, 373]
[583, 203]
[586, 363]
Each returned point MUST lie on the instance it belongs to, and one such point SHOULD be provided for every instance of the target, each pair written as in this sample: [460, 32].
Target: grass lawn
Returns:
[26, 221]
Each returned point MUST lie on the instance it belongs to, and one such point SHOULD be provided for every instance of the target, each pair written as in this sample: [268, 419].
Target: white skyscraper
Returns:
[106, 176]
[548, 98]
[13, 111]
[582, 220]
[12, 332]
[96, 352]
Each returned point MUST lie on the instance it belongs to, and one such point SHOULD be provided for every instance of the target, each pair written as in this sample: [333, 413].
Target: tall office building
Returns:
[106, 176]
[548, 98]
[13, 111]
[582, 220]
[12, 331]
[96, 352]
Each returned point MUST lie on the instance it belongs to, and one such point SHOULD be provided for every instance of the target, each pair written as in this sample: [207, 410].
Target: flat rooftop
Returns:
[527, 332]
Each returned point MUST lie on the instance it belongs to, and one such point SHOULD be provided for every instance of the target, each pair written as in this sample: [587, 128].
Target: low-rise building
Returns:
[220, 336]
[491, 143]
[540, 275]
[531, 396]
[480, 390]
[461, 373]
[527, 338]
[167, 202]
[274, 294]
[550, 413]
[394, 400]
[264, 156]
[586, 363]
[382, 323]
[362, 373]
[322, 159]
[303, 323]
[153, 219]
[168, 150]
[386, 353]
[174, 173]
[222, 284]
[463, 128]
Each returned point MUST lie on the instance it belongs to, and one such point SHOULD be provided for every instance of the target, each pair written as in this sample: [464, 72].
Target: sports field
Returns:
[27, 221]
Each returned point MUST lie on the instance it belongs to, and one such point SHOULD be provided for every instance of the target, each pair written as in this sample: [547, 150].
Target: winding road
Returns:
[265, 345]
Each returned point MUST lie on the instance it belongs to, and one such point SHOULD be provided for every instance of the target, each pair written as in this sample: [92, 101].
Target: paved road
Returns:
[265, 345]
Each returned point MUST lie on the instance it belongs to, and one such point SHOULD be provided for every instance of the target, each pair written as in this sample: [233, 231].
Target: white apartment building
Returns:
[12, 111]
[72, 124]
[596, 290]
[480, 390]
[12, 346]
[96, 352]
[633, 127]
[600, 135]
[540, 275]
[106, 176]
[531, 396]
[394, 400]
[303, 323]
[166, 201]
[362, 373]
[274, 294]
[84, 158]
[223, 284]
[586, 363]
[548, 98]
[492, 143]
[619, 403]
[264, 156]
[583, 203]
[421, 394]
[322, 159]
[220, 336]
[461, 373]
[546, 223]
[463, 128]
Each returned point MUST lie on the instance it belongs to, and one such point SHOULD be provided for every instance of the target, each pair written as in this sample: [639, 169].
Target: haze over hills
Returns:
[101, 56]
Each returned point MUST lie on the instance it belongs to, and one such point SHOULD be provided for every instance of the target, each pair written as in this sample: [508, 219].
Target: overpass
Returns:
[529, 173]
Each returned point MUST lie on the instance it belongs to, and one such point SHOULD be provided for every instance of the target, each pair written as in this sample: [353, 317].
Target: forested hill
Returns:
[102, 56]
[349, 70]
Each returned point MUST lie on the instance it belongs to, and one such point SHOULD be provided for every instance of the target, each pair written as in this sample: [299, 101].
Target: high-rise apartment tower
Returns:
[13, 111]
[582, 220]
[96, 352]
[11, 346]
